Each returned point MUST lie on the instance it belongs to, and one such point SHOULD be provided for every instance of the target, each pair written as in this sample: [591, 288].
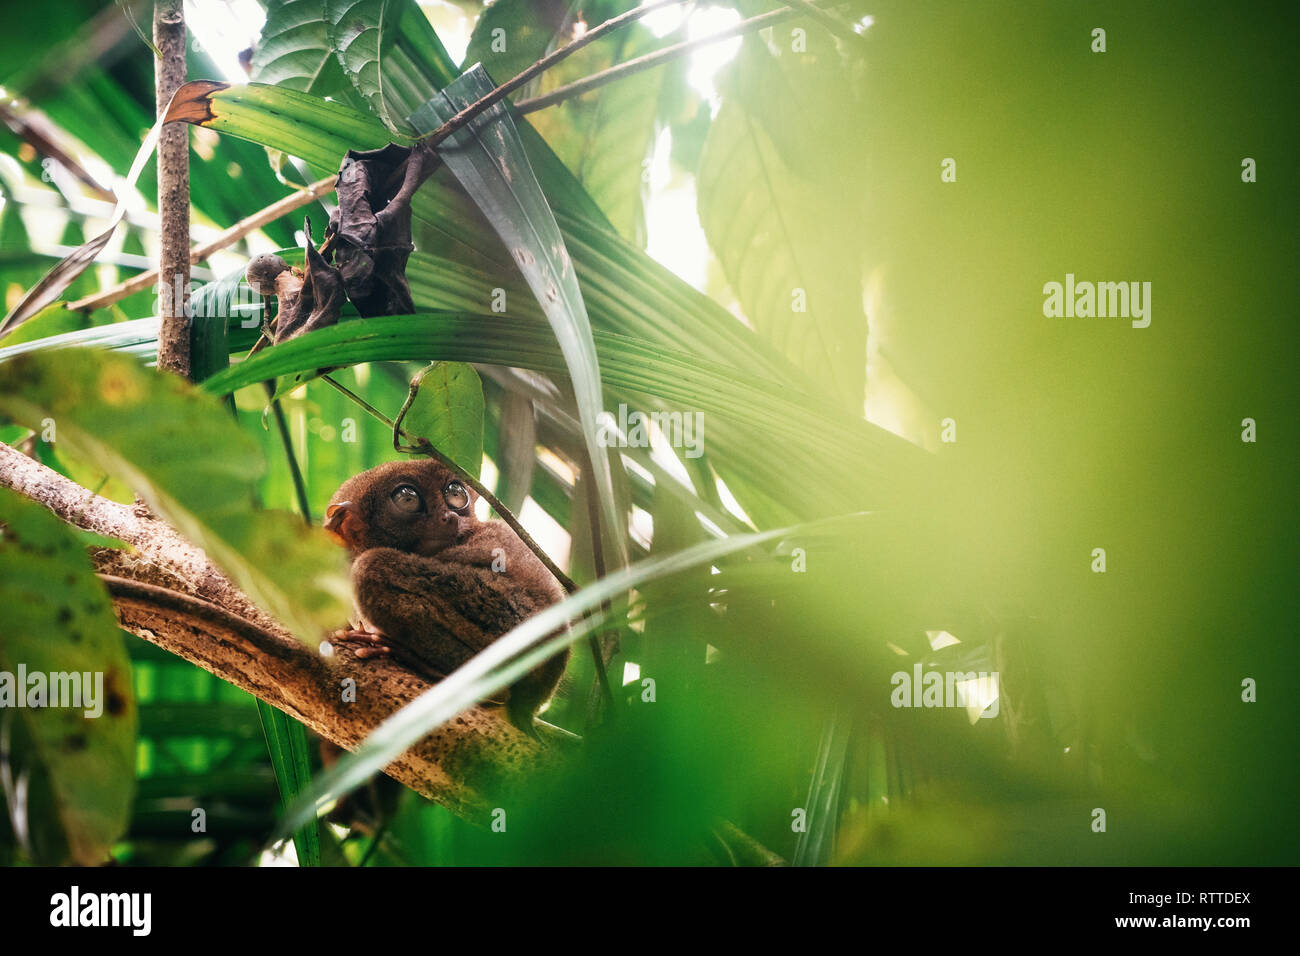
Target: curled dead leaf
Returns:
[370, 232]
[313, 302]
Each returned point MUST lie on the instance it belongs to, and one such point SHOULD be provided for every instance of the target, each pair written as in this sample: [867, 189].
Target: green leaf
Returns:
[744, 415]
[180, 451]
[286, 739]
[602, 136]
[789, 240]
[74, 773]
[448, 411]
[605, 135]
[528, 30]
[858, 464]
[504, 661]
[625, 289]
[515, 449]
[50, 321]
[815, 842]
[294, 51]
[488, 158]
[389, 52]
[354, 34]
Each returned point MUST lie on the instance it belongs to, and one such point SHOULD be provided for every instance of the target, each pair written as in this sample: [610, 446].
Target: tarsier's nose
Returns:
[343, 524]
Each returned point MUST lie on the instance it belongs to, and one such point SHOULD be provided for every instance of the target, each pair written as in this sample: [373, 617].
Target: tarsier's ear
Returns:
[344, 524]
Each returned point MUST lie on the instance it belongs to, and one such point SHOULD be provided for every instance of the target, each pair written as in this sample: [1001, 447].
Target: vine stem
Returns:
[295, 472]
[658, 58]
[540, 67]
[428, 141]
[423, 446]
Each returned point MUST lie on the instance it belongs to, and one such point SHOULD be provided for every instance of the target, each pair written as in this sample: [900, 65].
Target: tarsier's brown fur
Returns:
[433, 583]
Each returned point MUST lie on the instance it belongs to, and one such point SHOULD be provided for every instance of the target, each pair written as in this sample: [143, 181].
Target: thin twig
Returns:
[422, 445]
[344, 390]
[650, 60]
[232, 235]
[830, 21]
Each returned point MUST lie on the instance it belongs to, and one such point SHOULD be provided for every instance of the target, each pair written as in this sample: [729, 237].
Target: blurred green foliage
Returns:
[756, 693]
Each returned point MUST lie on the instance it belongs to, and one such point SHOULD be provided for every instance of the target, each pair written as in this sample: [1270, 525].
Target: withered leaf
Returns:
[317, 304]
[370, 231]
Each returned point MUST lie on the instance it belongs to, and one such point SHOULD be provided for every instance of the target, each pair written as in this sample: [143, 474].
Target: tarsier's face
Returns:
[415, 506]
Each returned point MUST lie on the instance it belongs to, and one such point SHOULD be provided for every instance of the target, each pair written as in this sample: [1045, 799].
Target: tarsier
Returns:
[434, 585]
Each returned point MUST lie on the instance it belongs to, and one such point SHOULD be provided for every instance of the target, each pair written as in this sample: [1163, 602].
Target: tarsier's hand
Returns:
[434, 583]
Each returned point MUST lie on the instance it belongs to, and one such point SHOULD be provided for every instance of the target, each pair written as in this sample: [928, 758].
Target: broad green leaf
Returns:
[294, 51]
[354, 28]
[488, 158]
[448, 411]
[51, 321]
[814, 844]
[605, 135]
[858, 464]
[390, 53]
[417, 64]
[625, 290]
[744, 415]
[602, 136]
[515, 449]
[181, 452]
[789, 237]
[135, 335]
[72, 767]
[510, 35]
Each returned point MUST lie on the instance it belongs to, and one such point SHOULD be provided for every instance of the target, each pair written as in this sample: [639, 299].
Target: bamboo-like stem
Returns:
[173, 193]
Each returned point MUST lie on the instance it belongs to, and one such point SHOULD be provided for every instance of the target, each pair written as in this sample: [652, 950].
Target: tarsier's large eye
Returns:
[407, 498]
[456, 496]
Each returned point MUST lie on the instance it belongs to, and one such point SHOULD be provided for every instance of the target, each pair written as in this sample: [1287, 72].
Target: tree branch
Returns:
[166, 592]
